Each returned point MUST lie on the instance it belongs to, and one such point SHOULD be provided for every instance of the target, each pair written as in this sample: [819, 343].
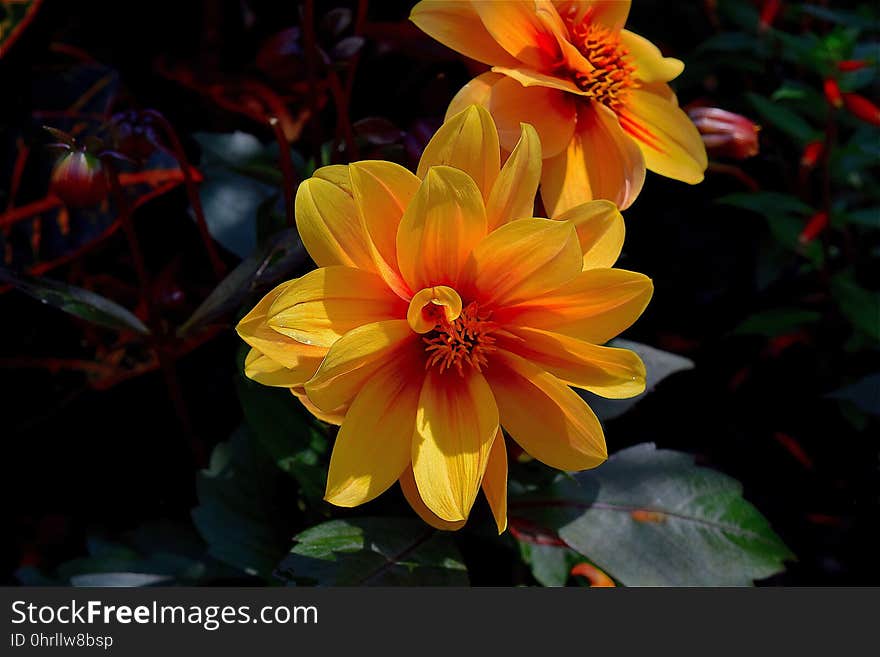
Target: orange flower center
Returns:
[466, 341]
[613, 73]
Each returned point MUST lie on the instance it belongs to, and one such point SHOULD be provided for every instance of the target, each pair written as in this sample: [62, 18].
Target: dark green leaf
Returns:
[651, 517]
[374, 552]
[864, 394]
[860, 306]
[550, 564]
[767, 204]
[782, 118]
[777, 321]
[76, 301]
[860, 19]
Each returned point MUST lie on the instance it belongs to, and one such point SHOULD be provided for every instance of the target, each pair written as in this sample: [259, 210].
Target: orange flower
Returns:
[443, 311]
[595, 92]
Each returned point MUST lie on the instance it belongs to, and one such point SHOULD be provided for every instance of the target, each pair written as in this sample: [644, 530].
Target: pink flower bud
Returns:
[724, 133]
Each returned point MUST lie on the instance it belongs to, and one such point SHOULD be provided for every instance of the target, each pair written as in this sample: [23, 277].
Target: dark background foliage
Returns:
[94, 460]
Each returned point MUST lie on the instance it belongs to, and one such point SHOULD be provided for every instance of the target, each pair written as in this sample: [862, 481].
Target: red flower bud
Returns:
[724, 133]
[849, 65]
[817, 223]
[768, 13]
[79, 180]
[862, 108]
[812, 153]
[832, 92]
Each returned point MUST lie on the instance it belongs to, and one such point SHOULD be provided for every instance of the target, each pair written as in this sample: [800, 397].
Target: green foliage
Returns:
[860, 306]
[650, 517]
[783, 119]
[374, 552]
[776, 321]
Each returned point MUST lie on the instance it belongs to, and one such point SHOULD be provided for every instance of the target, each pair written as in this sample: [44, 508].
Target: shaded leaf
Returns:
[777, 321]
[118, 579]
[864, 394]
[550, 564]
[782, 118]
[651, 517]
[374, 552]
[860, 306]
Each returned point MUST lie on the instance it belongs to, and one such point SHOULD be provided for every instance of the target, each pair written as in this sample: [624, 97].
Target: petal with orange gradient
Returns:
[611, 13]
[329, 224]
[357, 356]
[475, 92]
[600, 230]
[516, 27]
[544, 416]
[595, 306]
[604, 371]
[433, 306]
[411, 493]
[326, 303]
[651, 65]
[457, 25]
[668, 139]
[440, 228]
[467, 141]
[601, 162]
[374, 443]
[336, 416]
[513, 194]
[382, 191]
[522, 260]
[455, 427]
[495, 482]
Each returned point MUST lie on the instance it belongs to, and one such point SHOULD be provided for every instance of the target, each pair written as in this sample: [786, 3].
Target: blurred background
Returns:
[201, 117]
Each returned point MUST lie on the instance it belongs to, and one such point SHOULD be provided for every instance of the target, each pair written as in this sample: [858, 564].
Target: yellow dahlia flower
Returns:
[595, 92]
[443, 312]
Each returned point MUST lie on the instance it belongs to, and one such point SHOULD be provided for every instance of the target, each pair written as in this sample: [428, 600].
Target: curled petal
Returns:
[513, 194]
[433, 306]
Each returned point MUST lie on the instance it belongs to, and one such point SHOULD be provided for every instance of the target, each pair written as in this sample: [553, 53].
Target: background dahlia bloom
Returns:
[443, 311]
[596, 93]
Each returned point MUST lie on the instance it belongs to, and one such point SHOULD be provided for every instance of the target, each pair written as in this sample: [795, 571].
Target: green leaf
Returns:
[863, 394]
[863, 19]
[777, 321]
[860, 306]
[869, 217]
[651, 517]
[550, 564]
[374, 552]
[659, 365]
[767, 204]
[782, 118]
[76, 301]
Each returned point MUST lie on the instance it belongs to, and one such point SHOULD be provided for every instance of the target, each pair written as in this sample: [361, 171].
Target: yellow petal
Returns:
[336, 174]
[605, 371]
[522, 260]
[336, 416]
[374, 443]
[651, 65]
[475, 92]
[456, 424]
[411, 493]
[262, 369]
[467, 141]
[433, 306]
[544, 416]
[601, 162]
[495, 482]
[326, 303]
[440, 228]
[600, 230]
[516, 27]
[329, 225]
[595, 306]
[457, 25]
[669, 141]
[530, 78]
[301, 360]
[356, 356]
[513, 194]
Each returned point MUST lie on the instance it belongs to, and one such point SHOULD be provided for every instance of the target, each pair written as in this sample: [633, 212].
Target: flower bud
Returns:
[724, 133]
[862, 108]
[79, 180]
[817, 223]
[832, 92]
[812, 152]
[769, 11]
[850, 65]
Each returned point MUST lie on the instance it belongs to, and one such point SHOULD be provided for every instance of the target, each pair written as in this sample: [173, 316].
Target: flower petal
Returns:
[601, 162]
[611, 13]
[467, 141]
[605, 371]
[530, 78]
[336, 416]
[329, 225]
[668, 139]
[552, 113]
[431, 306]
[600, 230]
[457, 25]
[523, 260]
[475, 92]
[326, 303]
[374, 443]
[336, 174]
[411, 493]
[495, 482]
[382, 191]
[544, 416]
[456, 425]
[356, 356]
[440, 228]
[262, 369]
[595, 306]
[516, 27]
[513, 194]
[651, 65]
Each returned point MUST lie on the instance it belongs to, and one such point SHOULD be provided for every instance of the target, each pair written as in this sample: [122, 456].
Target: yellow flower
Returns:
[443, 311]
[595, 92]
